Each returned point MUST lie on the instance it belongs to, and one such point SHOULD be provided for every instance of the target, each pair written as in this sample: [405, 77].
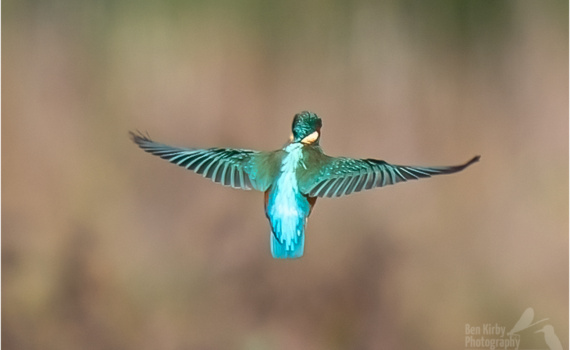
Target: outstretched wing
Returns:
[229, 167]
[343, 176]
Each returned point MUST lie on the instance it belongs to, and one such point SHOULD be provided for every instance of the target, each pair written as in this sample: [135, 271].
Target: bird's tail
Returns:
[282, 251]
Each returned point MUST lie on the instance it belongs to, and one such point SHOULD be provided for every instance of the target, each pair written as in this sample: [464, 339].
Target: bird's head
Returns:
[307, 128]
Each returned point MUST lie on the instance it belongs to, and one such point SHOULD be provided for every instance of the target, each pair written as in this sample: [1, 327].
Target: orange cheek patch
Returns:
[311, 138]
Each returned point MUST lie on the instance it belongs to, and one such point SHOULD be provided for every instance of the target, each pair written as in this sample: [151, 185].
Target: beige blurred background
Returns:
[106, 247]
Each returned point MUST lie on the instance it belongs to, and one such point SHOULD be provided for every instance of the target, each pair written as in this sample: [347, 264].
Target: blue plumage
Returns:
[287, 209]
[278, 250]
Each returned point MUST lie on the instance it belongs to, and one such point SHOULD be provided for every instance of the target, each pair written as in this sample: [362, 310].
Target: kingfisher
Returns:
[292, 178]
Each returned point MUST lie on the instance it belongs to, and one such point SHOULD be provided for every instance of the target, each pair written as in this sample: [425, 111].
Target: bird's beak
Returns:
[311, 138]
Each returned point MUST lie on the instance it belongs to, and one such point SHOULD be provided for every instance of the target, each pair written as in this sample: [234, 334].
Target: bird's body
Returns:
[286, 207]
[292, 177]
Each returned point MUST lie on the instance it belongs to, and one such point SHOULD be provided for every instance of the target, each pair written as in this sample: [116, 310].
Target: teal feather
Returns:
[229, 167]
[279, 250]
[287, 209]
[343, 176]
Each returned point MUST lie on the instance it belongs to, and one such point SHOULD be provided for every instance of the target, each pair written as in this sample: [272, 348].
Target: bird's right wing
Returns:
[343, 176]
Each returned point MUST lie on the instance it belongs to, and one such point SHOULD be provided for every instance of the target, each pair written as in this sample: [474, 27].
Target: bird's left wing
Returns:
[343, 176]
[229, 167]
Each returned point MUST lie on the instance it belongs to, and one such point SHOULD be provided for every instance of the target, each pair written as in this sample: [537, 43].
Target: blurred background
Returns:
[106, 247]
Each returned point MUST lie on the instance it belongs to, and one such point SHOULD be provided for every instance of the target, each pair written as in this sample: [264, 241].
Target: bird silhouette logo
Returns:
[293, 177]
[550, 338]
[526, 321]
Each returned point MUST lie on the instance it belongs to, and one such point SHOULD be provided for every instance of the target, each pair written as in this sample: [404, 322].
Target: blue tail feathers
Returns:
[280, 251]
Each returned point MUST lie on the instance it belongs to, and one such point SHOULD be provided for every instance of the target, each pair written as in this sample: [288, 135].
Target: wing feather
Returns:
[343, 176]
[342, 186]
[211, 167]
[352, 185]
[230, 167]
[332, 187]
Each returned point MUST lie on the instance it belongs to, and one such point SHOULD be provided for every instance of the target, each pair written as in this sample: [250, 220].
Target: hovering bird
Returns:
[292, 177]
